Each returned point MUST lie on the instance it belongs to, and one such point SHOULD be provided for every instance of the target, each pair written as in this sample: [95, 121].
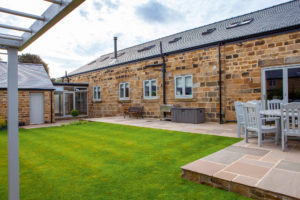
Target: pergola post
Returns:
[13, 129]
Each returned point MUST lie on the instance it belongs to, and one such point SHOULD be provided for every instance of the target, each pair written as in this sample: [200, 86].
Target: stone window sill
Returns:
[185, 99]
[124, 101]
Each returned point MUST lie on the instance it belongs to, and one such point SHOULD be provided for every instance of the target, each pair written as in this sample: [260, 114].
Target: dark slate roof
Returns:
[30, 76]
[264, 21]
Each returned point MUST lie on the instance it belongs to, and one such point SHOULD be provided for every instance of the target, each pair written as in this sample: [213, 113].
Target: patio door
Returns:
[281, 83]
[69, 103]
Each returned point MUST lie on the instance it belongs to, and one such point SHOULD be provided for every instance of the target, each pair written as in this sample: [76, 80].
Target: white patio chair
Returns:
[239, 118]
[290, 123]
[274, 104]
[255, 123]
[260, 102]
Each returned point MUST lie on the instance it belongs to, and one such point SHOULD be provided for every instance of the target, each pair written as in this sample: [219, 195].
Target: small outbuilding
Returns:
[36, 105]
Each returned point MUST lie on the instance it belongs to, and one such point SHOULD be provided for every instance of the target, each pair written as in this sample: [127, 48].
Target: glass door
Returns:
[281, 83]
[293, 84]
[68, 102]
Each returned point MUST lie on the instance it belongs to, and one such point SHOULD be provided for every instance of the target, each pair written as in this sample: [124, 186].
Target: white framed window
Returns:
[150, 89]
[124, 91]
[184, 86]
[97, 93]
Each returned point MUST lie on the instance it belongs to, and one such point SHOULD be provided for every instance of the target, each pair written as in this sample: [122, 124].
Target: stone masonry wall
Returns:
[24, 105]
[241, 77]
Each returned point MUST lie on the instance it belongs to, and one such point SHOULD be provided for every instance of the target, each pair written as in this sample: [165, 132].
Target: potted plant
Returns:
[74, 113]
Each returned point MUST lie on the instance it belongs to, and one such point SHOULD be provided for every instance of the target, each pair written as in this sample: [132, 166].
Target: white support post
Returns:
[13, 129]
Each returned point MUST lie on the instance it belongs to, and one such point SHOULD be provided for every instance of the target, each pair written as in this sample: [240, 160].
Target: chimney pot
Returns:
[115, 47]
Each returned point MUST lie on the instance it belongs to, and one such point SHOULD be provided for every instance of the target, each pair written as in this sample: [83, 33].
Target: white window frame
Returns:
[183, 89]
[285, 86]
[97, 98]
[124, 98]
[150, 89]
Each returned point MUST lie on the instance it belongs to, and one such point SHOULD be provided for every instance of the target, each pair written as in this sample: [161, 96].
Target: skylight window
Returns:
[146, 48]
[240, 23]
[92, 62]
[208, 31]
[119, 55]
[104, 59]
[175, 40]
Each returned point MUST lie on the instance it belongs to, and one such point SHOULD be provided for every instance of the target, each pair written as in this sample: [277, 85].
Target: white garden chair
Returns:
[274, 104]
[255, 123]
[290, 122]
[240, 117]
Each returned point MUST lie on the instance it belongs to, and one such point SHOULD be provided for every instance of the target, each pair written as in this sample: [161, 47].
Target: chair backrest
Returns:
[290, 121]
[239, 112]
[252, 116]
[260, 102]
[274, 104]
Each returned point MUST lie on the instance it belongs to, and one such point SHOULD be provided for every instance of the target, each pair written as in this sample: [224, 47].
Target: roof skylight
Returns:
[240, 23]
[208, 31]
[104, 59]
[146, 48]
[92, 62]
[175, 40]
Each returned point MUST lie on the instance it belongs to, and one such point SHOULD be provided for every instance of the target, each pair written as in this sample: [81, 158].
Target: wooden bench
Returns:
[134, 110]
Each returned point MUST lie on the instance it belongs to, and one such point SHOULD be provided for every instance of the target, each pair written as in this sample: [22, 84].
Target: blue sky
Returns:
[88, 31]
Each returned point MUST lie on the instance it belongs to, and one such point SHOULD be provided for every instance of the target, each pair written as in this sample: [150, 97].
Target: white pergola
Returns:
[55, 12]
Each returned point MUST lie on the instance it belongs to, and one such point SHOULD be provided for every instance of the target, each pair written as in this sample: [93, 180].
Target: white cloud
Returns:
[88, 31]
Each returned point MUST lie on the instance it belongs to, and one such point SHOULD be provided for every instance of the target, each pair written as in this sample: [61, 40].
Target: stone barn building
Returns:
[253, 56]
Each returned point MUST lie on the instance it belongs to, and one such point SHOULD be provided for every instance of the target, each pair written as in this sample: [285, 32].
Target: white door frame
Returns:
[64, 102]
[284, 80]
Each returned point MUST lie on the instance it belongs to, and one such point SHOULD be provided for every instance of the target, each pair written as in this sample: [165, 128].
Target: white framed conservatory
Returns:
[68, 97]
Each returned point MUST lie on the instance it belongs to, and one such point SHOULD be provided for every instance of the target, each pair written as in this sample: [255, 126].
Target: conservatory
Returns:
[68, 97]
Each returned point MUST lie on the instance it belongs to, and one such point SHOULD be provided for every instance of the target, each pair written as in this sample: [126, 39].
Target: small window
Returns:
[175, 40]
[92, 62]
[184, 86]
[150, 89]
[97, 93]
[146, 48]
[104, 59]
[124, 91]
[240, 23]
[119, 55]
[208, 31]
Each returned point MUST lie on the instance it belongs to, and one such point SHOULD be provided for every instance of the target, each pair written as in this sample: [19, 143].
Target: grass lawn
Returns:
[107, 161]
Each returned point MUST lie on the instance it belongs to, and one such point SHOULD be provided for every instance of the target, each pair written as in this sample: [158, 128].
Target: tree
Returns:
[32, 58]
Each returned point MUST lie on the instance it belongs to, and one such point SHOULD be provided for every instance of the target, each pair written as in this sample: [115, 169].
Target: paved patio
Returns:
[210, 128]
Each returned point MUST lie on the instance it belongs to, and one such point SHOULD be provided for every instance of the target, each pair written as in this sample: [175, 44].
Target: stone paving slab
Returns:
[204, 167]
[249, 151]
[288, 165]
[224, 157]
[282, 181]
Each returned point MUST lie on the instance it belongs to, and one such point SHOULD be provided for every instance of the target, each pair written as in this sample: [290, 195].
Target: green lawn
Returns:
[106, 161]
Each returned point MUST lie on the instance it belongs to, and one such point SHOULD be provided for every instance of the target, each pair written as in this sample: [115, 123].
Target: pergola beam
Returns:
[55, 1]
[15, 28]
[10, 37]
[52, 15]
[21, 14]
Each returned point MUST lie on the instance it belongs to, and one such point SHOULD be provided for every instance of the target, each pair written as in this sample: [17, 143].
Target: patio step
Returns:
[245, 171]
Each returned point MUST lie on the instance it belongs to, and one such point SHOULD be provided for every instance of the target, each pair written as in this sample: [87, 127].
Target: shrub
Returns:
[2, 122]
[74, 113]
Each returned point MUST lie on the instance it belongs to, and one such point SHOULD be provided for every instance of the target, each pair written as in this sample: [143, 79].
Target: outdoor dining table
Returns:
[274, 113]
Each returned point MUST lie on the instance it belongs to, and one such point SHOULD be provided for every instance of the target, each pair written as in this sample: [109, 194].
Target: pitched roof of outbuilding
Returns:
[276, 18]
[30, 76]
